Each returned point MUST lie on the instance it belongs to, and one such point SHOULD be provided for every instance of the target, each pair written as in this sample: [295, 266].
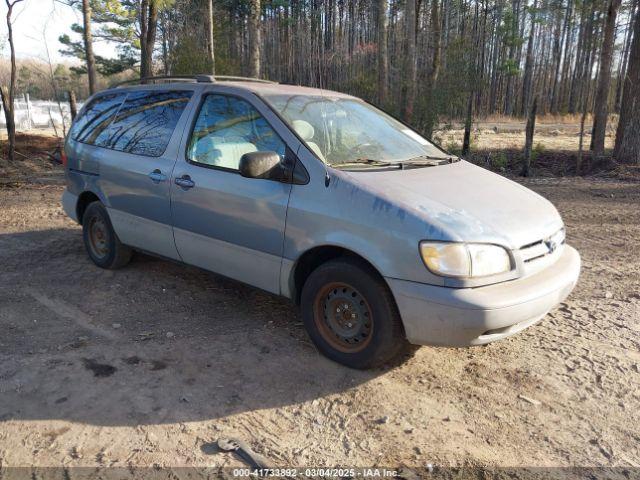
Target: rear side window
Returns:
[96, 117]
[145, 122]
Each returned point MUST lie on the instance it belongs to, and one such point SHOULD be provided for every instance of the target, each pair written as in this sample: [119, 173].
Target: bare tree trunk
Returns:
[210, 41]
[528, 144]
[88, 45]
[151, 34]
[435, 69]
[73, 106]
[149, 26]
[254, 38]
[586, 68]
[466, 142]
[144, 25]
[383, 52]
[566, 62]
[515, 16]
[8, 95]
[625, 58]
[581, 141]
[528, 68]
[409, 73]
[7, 106]
[627, 148]
[604, 79]
[165, 45]
[495, 62]
[575, 87]
[557, 57]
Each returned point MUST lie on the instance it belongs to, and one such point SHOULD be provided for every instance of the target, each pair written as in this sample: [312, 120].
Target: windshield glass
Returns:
[345, 130]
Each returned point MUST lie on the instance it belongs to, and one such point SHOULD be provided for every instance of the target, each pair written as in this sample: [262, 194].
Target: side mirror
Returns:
[265, 165]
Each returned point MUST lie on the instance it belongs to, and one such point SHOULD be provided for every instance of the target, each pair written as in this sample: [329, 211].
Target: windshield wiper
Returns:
[421, 161]
[368, 161]
[429, 160]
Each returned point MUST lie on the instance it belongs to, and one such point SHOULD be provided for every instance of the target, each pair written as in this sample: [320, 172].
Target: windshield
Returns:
[342, 130]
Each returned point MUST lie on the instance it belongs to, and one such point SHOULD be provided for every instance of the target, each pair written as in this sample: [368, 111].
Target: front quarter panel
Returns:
[342, 213]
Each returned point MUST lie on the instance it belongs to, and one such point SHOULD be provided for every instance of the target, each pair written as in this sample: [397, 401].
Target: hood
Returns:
[464, 202]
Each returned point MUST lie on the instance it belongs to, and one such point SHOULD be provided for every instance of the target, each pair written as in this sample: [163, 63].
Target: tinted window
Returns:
[145, 122]
[227, 128]
[96, 117]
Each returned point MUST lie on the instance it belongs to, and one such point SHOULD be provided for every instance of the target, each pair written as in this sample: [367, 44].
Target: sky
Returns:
[35, 20]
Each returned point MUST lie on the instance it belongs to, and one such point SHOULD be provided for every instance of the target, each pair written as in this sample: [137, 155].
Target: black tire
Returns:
[375, 337]
[100, 240]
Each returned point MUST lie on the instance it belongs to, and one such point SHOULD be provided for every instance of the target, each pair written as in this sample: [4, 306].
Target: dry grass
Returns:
[567, 118]
[487, 139]
[495, 133]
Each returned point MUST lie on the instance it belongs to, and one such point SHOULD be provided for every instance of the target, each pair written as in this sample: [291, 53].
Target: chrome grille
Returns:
[542, 248]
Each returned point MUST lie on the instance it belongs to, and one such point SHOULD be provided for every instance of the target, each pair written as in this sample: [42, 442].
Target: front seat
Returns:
[306, 132]
[221, 151]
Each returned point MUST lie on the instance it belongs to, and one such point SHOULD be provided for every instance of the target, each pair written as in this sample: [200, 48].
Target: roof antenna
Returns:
[319, 65]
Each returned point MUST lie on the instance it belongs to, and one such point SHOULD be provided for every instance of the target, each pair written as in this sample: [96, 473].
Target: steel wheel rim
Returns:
[98, 237]
[343, 317]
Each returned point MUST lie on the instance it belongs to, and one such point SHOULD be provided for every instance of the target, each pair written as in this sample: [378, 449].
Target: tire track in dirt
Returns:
[68, 311]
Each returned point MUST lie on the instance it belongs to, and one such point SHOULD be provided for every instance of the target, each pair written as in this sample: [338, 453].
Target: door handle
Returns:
[185, 182]
[157, 176]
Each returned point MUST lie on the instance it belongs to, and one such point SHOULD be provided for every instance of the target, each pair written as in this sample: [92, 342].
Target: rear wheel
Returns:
[100, 240]
[351, 315]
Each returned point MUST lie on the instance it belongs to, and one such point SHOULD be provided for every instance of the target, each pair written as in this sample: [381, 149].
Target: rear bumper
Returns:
[69, 202]
[457, 317]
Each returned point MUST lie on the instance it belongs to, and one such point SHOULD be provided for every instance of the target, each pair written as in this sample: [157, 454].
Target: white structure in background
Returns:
[31, 114]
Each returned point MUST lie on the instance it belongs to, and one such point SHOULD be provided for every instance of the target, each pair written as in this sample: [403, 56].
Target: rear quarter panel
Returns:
[83, 169]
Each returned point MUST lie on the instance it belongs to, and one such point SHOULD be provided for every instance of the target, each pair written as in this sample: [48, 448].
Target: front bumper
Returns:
[458, 317]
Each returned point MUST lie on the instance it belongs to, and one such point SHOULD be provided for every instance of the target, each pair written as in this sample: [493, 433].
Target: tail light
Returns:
[62, 156]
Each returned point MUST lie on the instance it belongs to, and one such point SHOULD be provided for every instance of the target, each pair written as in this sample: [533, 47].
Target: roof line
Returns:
[190, 78]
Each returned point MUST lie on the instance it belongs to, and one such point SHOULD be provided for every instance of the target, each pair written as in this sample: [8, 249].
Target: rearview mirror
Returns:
[261, 165]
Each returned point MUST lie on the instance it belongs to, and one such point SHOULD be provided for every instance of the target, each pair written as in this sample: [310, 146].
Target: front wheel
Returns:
[101, 241]
[351, 316]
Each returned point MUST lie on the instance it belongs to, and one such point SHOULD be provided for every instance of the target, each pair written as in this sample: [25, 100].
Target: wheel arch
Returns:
[316, 256]
[84, 199]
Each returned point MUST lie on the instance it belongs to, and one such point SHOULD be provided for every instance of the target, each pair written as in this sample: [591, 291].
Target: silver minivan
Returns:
[381, 237]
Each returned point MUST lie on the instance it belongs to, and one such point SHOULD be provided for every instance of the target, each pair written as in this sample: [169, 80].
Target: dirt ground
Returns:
[151, 364]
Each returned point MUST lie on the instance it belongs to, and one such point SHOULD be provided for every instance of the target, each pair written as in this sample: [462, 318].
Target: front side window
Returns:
[96, 117]
[228, 127]
[343, 130]
[145, 122]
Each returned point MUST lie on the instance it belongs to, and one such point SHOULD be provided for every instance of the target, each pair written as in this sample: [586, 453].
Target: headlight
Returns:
[464, 259]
